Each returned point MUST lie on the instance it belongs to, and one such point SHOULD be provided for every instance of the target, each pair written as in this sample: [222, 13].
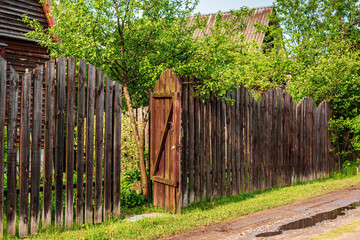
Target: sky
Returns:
[213, 6]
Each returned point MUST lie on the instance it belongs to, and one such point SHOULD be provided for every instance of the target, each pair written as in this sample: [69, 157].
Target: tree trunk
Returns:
[139, 135]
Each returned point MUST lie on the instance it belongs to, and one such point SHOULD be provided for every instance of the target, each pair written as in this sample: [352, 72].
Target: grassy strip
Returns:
[204, 213]
[340, 231]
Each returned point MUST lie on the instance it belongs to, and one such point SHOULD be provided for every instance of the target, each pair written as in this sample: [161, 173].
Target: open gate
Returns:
[165, 122]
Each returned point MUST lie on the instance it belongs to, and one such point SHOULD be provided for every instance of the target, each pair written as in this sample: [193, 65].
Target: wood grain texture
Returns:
[60, 139]
[12, 152]
[36, 150]
[89, 161]
[185, 147]
[70, 138]
[24, 155]
[3, 68]
[117, 149]
[49, 141]
[81, 115]
[99, 145]
[108, 147]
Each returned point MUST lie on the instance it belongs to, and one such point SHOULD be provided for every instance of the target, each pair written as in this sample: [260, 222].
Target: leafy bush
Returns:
[129, 153]
[129, 197]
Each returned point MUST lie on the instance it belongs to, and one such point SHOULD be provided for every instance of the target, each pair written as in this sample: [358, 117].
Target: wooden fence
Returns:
[249, 145]
[91, 149]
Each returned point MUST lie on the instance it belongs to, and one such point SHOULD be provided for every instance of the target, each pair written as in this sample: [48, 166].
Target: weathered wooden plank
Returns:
[108, 147]
[286, 127]
[185, 156]
[191, 145]
[117, 149]
[281, 138]
[197, 148]
[81, 114]
[246, 140]
[176, 191]
[90, 144]
[12, 152]
[24, 155]
[273, 138]
[49, 141]
[70, 126]
[326, 140]
[168, 103]
[218, 179]
[3, 68]
[208, 147]
[268, 132]
[174, 142]
[213, 145]
[258, 148]
[228, 150]
[99, 142]
[263, 142]
[153, 140]
[252, 142]
[233, 125]
[163, 122]
[222, 147]
[60, 139]
[202, 147]
[36, 150]
[239, 139]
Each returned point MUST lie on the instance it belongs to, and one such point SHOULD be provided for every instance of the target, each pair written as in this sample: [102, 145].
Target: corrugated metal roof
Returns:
[258, 16]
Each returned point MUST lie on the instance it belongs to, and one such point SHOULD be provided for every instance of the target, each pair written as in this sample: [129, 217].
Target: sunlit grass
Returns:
[203, 213]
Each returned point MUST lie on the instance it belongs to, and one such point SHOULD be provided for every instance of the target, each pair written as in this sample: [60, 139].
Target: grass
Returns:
[340, 231]
[203, 213]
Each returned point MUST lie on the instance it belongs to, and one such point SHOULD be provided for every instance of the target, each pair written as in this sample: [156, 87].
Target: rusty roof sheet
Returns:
[258, 16]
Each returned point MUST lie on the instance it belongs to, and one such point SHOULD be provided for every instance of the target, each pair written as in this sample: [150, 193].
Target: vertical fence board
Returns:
[3, 67]
[203, 145]
[108, 147]
[218, 149]
[233, 125]
[185, 156]
[207, 147]
[223, 148]
[239, 139]
[90, 144]
[70, 125]
[228, 149]
[197, 148]
[49, 141]
[99, 141]
[12, 152]
[60, 139]
[24, 155]
[191, 145]
[167, 150]
[246, 140]
[153, 140]
[117, 149]
[81, 114]
[36, 150]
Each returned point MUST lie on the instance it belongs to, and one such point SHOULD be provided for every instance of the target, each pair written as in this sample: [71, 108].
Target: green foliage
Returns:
[129, 197]
[316, 52]
[129, 152]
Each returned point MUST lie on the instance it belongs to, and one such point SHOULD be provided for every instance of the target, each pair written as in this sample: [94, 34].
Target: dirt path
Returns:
[296, 215]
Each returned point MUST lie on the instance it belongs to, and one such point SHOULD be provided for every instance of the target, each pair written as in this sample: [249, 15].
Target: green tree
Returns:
[134, 41]
[320, 59]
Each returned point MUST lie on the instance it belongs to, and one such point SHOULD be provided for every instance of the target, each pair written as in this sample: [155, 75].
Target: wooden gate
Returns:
[165, 108]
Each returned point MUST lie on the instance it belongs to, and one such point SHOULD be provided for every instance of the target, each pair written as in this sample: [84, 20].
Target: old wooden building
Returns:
[21, 52]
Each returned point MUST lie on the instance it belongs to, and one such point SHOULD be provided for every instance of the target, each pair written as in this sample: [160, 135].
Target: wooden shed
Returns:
[21, 52]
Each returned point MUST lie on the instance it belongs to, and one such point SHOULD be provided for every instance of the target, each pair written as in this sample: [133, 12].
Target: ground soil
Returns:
[247, 227]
